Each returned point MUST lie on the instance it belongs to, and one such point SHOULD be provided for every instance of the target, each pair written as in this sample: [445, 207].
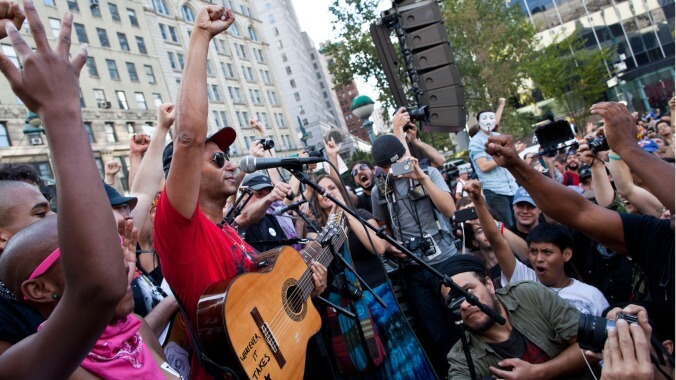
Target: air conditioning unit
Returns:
[93, 3]
[36, 140]
[104, 104]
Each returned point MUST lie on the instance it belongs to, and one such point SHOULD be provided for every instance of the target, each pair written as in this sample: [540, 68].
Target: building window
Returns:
[252, 34]
[234, 30]
[55, 24]
[111, 136]
[288, 70]
[114, 14]
[241, 51]
[140, 101]
[224, 118]
[51, 3]
[217, 92]
[131, 68]
[73, 5]
[296, 96]
[81, 33]
[103, 37]
[161, 7]
[100, 96]
[210, 68]
[90, 133]
[181, 60]
[112, 69]
[10, 53]
[124, 44]
[141, 45]
[169, 33]
[276, 31]
[91, 67]
[188, 13]
[150, 74]
[157, 100]
[132, 17]
[218, 121]
[172, 60]
[4, 136]
[94, 8]
[292, 82]
[122, 100]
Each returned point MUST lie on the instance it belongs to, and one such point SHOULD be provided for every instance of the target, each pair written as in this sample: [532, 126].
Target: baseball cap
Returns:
[649, 145]
[257, 181]
[224, 137]
[523, 196]
[117, 199]
[584, 172]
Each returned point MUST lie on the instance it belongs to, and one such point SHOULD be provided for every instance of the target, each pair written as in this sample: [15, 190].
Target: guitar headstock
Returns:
[335, 230]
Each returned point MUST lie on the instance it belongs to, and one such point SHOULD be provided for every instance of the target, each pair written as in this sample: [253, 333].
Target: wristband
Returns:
[502, 228]
[614, 157]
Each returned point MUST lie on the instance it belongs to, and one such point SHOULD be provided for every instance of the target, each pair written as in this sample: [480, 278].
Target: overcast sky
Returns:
[315, 19]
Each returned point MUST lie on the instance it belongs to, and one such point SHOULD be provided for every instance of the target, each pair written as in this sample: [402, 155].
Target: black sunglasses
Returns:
[360, 167]
[219, 158]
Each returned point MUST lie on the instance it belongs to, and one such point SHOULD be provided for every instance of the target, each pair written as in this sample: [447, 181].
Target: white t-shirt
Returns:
[459, 186]
[585, 298]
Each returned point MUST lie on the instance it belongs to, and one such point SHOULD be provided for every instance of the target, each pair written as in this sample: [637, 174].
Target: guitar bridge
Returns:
[268, 336]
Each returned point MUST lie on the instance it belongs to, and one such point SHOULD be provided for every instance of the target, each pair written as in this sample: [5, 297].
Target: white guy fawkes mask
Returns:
[487, 121]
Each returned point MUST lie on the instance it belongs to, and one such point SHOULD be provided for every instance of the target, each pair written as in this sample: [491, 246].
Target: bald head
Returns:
[26, 250]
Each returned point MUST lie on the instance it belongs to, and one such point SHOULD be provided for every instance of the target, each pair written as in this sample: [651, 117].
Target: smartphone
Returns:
[465, 215]
[403, 167]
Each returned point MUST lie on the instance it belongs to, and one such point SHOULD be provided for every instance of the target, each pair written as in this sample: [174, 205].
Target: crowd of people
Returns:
[117, 282]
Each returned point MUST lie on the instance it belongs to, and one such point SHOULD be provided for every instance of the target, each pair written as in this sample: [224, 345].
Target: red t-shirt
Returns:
[194, 254]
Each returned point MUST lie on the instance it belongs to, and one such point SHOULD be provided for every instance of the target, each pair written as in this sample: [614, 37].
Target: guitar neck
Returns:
[322, 254]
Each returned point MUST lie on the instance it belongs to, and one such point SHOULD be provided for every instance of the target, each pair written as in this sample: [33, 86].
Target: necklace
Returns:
[570, 282]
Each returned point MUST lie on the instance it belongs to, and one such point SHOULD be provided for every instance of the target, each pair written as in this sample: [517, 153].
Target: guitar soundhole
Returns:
[293, 300]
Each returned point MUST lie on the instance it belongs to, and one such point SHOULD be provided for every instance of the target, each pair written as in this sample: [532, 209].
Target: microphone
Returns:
[293, 206]
[250, 164]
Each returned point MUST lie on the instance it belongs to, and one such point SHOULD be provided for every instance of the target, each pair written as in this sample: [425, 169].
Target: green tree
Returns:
[574, 76]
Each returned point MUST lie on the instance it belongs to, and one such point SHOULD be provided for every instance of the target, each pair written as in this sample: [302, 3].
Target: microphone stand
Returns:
[380, 232]
[306, 219]
[358, 277]
[454, 305]
[236, 208]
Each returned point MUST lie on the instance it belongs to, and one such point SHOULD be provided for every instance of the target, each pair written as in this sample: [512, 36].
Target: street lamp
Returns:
[362, 107]
[33, 124]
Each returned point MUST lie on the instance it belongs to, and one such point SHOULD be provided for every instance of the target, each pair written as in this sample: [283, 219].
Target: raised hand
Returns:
[473, 189]
[139, 144]
[166, 115]
[332, 149]
[10, 12]
[619, 124]
[112, 168]
[258, 126]
[213, 19]
[503, 151]
[399, 121]
[49, 79]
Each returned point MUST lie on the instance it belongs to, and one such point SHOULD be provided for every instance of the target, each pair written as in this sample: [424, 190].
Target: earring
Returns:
[55, 296]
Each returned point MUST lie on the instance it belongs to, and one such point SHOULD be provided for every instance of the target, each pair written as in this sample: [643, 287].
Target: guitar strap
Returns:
[214, 369]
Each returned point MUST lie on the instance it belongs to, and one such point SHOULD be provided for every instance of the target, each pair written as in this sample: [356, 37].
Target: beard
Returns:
[487, 322]
[573, 166]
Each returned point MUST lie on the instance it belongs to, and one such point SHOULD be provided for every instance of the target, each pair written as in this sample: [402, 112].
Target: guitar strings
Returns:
[304, 284]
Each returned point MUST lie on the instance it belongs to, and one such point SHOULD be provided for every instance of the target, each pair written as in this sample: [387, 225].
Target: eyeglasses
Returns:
[44, 266]
[360, 167]
[220, 158]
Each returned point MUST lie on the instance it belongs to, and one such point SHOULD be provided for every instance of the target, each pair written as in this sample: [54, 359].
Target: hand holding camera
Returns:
[409, 168]
[620, 125]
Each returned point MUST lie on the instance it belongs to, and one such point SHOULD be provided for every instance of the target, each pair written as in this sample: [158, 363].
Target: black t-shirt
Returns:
[364, 202]
[613, 274]
[17, 321]
[368, 265]
[650, 243]
[522, 235]
[266, 234]
[518, 346]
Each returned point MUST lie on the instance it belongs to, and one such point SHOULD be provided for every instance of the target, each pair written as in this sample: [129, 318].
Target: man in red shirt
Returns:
[195, 251]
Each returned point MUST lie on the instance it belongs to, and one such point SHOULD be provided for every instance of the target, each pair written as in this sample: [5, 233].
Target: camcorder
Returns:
[553, 136]
[598, 144]
[422, 246]
[267, 143]
[592, 331]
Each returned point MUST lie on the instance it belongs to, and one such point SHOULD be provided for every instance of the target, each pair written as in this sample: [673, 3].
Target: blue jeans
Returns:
[502, 204]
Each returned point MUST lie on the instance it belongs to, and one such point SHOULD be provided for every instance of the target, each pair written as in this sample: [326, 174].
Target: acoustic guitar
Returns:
[264, 319]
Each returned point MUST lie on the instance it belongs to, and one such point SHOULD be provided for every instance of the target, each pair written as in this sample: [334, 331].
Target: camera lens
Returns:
[591, 332]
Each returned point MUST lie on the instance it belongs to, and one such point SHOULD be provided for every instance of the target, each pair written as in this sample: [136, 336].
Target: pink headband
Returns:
[44, 266]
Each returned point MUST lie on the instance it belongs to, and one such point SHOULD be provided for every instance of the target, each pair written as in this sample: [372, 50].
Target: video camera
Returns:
[312, 151]
[554, 136]
[267, 143]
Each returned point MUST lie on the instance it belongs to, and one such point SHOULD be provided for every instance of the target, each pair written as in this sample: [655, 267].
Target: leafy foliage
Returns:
[574, 76]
